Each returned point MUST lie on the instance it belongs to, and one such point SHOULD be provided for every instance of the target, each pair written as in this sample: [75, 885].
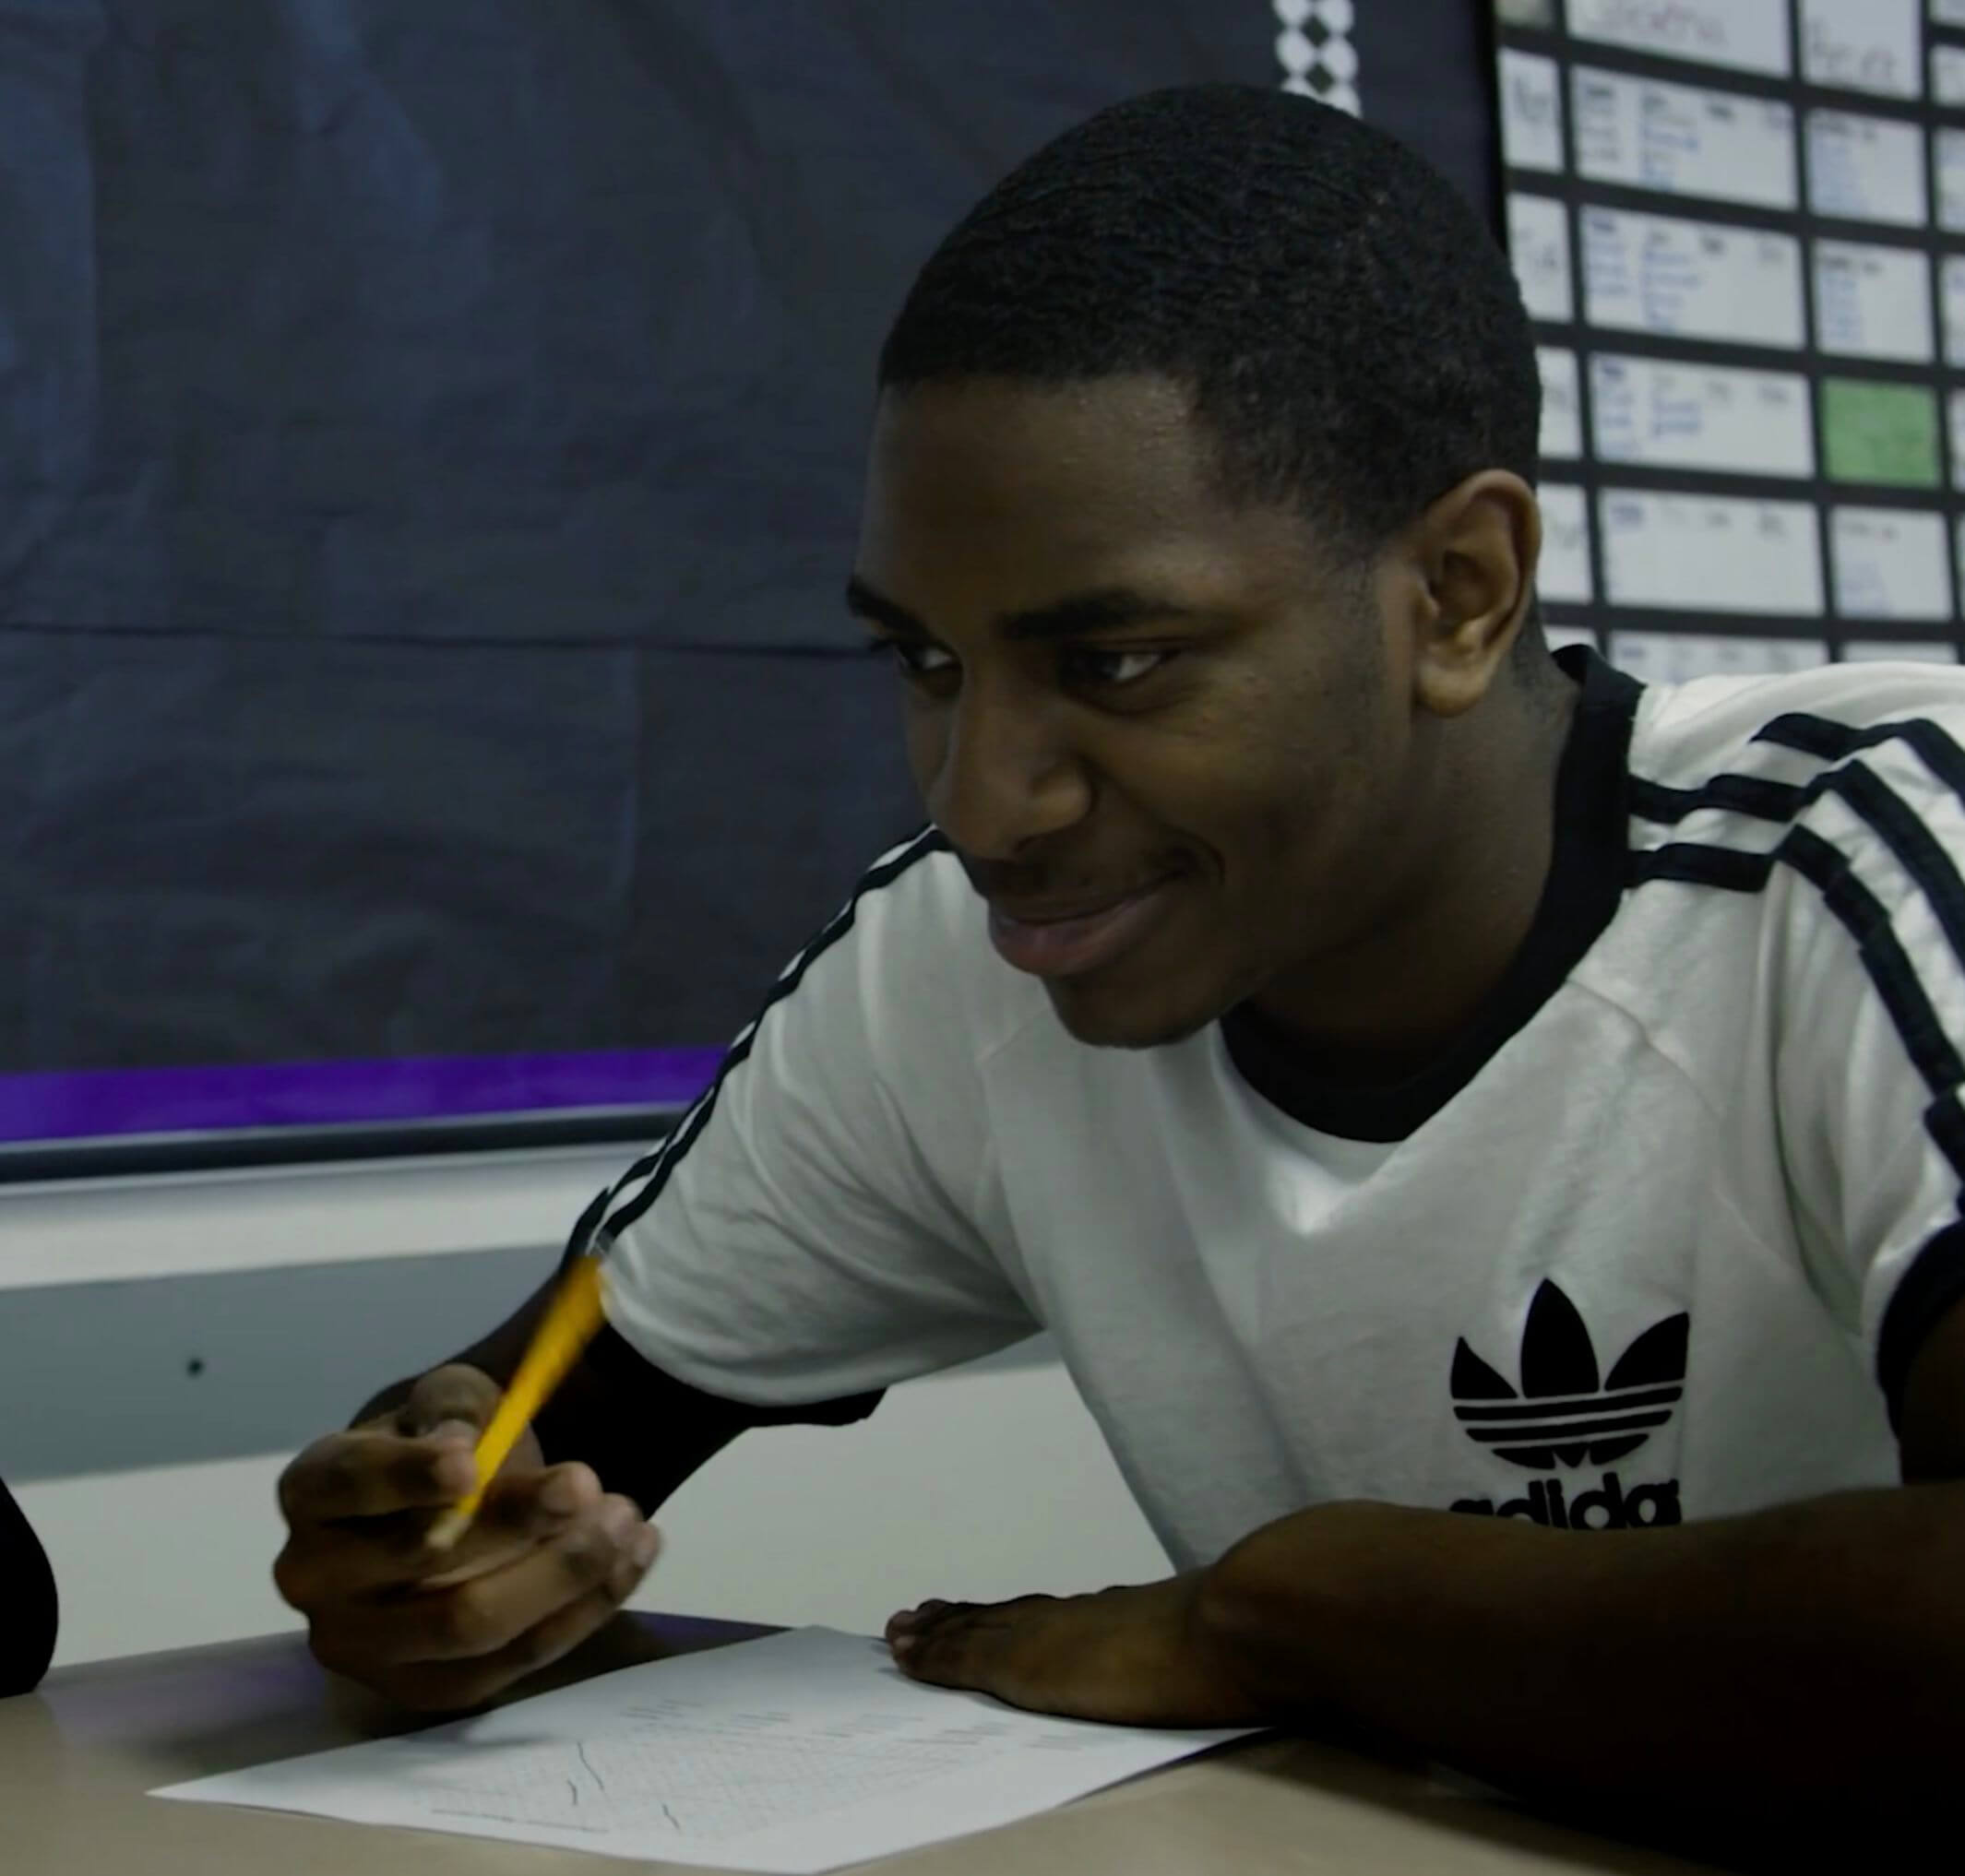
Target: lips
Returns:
[1070, 942]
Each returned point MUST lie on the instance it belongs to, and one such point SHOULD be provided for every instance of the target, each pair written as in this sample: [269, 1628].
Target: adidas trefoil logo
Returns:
[1563, 1415]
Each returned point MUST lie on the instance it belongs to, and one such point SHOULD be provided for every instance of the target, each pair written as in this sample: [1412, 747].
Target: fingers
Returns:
[547, 1558]
[960, 1643]
[947, 1648]
[338, 1561]
[465, 1396]
[458, 1686]
[456, 1645]
[611, 1550]
[367, 1474]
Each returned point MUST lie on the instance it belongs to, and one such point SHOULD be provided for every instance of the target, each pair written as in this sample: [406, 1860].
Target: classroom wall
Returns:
[165, 1344]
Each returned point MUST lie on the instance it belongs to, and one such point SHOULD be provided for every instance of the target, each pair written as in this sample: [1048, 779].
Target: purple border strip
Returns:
[102, 1103]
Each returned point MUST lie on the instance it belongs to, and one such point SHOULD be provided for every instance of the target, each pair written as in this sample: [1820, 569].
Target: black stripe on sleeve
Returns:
[1917, 849]
[1861, 914]
[1837, 741]
[1936, 1279]
[660, 1165]
[1928, 1290]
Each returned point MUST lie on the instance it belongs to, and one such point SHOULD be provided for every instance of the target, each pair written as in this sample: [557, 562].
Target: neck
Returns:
[1443, 930]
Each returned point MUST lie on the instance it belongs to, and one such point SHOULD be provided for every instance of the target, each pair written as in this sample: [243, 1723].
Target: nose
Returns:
[1003, 774]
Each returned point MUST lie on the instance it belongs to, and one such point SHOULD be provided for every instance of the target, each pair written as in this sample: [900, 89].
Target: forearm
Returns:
[1801, 1655]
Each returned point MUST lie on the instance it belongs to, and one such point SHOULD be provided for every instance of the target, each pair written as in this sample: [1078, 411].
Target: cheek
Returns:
[924, 736]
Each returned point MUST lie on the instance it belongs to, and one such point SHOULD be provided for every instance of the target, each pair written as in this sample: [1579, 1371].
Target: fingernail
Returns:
[908, 1619]
[643, 1546]
[451, 1432]
[455, 1472]
[560, 1494]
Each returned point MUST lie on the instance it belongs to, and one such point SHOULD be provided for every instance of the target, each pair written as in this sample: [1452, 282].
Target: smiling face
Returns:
[1172, 740]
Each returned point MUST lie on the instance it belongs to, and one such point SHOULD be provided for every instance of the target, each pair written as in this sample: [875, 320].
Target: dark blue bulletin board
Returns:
[429, 454]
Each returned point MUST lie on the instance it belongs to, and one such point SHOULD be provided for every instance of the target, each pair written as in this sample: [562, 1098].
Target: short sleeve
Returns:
[808, 1231]
[1868, 936]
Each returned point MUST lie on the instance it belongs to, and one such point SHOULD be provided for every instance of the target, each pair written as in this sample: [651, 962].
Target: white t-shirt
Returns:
[1657, 1240]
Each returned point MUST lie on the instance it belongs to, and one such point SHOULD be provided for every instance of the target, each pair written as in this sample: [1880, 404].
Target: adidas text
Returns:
[1608, 1508]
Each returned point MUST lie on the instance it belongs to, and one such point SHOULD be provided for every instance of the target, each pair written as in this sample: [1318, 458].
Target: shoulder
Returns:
[911, 944]
[1793, 726]
[1828, 808]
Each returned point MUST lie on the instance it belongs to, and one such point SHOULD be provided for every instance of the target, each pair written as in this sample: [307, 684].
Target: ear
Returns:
[1475, 551]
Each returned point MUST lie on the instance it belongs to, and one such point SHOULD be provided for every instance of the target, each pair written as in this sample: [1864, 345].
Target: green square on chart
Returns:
[1876, 432]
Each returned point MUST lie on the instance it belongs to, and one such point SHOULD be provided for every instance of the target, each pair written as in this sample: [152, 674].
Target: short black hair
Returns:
[1346, 326]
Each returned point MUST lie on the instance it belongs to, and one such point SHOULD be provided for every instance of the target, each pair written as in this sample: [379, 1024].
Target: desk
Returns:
[76, 1758]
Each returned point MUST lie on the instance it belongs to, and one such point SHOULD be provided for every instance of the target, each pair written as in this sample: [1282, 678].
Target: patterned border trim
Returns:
[1315, 52]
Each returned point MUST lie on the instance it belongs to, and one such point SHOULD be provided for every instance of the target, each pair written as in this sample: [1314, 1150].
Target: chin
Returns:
[1102, 1018]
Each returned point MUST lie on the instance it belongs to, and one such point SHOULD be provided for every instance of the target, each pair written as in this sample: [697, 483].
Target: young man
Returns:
[1484, 1137]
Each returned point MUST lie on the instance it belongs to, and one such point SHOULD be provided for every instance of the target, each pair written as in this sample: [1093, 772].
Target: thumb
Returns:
[453, 1397]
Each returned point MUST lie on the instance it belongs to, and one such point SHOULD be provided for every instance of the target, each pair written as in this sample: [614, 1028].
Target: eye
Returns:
[1112, 670]
[915, 658]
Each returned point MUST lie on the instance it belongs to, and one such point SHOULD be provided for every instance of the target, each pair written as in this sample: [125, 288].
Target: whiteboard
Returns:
[1682, 139]
[1746, 35]
[1953, 280]
[1889, 564]
[1696, 280]
[1746, 254]
[1564, 569]
[1947, 74]
[1871, 302]
[1562, 419]
[1531, 110]
[1862, 45]
[1898, 651]
[1538, 245]
[1951, 180]
[1710, 553]
[1665, 414]
[1866, 168]
[1676, 657]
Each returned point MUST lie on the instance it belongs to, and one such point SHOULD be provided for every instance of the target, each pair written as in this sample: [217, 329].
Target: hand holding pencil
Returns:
[533, 1557]
[567, 1327]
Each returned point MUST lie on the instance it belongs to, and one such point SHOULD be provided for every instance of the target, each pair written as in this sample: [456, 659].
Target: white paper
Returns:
[1563, 571]
[1538, 243]
[1562, 428]
[1871, 302]
[1947, 72]
[1670, 415]
[1692, 280]
[1676, 657]
[1748, 35]
[1866, 168]
[1531, 110]
[1710, 553]
[1898, 652]
[798, 1753]
[1889, 563]
[1862, 45]
[1682, 139]
[1951, 180]
[1951, 278]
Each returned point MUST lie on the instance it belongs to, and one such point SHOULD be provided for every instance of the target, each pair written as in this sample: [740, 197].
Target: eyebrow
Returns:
[1077, 616]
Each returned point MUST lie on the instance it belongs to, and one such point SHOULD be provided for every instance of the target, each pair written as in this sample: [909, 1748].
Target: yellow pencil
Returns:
[569, 1323]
